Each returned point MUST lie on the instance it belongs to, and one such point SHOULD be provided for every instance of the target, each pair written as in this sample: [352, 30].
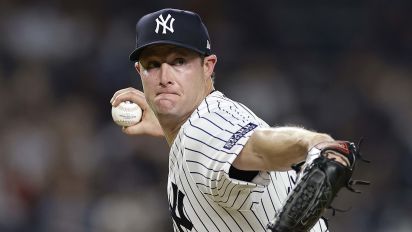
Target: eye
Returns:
[151, 65]
[179, 61]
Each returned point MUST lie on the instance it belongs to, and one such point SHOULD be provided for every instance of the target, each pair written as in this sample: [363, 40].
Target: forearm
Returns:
[276, 149]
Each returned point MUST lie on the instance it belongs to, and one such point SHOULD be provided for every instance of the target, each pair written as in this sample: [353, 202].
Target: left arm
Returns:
[277, 149]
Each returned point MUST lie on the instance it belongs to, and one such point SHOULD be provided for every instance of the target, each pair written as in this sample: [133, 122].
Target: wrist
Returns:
[319, 138]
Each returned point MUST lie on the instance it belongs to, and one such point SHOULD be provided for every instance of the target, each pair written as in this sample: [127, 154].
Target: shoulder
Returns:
[220, 114]
[218, 103]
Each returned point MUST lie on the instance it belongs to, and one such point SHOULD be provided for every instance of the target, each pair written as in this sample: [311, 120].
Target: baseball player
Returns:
[228, 170]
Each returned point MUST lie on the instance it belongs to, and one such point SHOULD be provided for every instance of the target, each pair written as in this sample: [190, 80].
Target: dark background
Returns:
[340, 67]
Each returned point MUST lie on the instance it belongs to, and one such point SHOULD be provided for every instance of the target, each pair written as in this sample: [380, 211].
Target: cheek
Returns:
[147, 84]
[147, 80]
[190, 84]
[194, 88]
[145, 73]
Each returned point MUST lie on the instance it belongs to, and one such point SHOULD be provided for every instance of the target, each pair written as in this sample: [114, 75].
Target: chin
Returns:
[165, 109]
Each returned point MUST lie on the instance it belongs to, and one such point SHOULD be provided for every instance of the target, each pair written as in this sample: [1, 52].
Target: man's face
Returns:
[175, 80]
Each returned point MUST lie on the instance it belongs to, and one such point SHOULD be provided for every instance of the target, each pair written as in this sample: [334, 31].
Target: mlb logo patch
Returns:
[238, 135]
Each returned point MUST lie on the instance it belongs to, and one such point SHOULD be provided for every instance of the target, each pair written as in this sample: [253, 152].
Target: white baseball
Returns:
[127, 114]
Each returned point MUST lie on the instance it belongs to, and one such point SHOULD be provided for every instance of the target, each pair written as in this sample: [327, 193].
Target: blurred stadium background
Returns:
[342, 67]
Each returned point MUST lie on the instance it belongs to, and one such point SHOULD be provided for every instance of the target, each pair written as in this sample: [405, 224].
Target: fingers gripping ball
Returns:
[127, 114]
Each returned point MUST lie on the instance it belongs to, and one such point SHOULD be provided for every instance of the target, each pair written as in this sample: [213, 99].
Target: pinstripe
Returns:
[257, 218]
[206, 132]
[222, 184]
[205, 155]
[246, 220]
[270, 198]
[217, 213]
[196, 213]
[220, 150]
[184, 189]
[276, 192]
[208, 120]
[194, 196]
[199, 167]
[264, 209]
[207, 105]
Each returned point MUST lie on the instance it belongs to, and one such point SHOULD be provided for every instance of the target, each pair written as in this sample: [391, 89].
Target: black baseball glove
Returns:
[318, 181]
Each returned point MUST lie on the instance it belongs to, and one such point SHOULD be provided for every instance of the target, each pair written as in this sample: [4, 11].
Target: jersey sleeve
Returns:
[212, 142]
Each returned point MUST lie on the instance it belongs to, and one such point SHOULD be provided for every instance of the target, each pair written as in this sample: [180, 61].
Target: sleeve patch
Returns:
[239, 134]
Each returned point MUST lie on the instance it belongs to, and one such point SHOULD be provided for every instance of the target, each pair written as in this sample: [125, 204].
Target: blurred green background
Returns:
[341, 67]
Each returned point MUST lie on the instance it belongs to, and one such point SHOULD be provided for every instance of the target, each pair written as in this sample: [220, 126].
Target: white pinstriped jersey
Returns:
[202, 196]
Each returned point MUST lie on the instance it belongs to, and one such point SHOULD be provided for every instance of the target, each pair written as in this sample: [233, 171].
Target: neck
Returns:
[171, 126]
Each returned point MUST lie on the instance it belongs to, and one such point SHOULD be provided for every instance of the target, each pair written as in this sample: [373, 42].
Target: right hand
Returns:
[149, 125]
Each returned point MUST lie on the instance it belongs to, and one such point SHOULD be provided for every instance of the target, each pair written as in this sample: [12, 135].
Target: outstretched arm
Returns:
[277, 149]
[149, 124]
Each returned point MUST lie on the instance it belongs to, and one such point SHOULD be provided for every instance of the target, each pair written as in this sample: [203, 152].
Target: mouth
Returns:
[166, 93]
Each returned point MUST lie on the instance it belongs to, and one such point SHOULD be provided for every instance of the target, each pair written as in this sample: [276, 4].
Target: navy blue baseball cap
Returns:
[172, 26]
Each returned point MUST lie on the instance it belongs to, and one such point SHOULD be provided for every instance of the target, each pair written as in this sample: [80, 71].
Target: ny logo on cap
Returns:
[162, 22]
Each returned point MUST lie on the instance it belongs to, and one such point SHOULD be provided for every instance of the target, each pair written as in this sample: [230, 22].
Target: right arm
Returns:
[277, 149]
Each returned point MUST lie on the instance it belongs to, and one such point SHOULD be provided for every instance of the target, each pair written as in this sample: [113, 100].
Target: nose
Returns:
[166, 75]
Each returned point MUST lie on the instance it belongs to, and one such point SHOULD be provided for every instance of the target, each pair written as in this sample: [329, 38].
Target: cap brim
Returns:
[134, 56]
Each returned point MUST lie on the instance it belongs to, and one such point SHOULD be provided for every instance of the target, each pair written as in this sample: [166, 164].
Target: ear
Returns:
[209, 65]
[137, 67]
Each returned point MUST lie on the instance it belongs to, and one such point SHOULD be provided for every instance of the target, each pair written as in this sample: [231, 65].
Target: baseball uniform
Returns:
[205, 192]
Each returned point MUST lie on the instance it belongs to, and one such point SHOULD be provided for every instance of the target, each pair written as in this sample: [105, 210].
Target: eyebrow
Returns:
[152, 53]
